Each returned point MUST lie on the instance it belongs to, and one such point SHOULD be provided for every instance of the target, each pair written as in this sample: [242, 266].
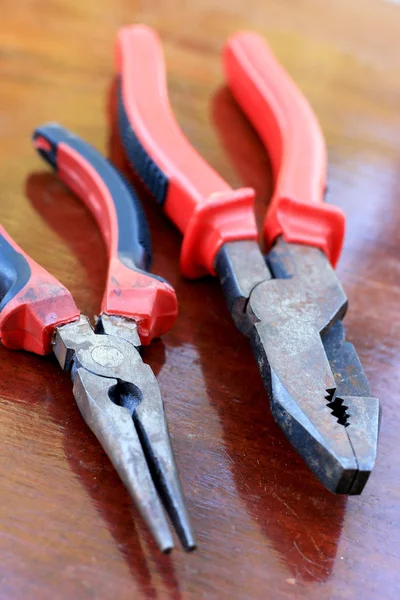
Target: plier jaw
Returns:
[318, 390]
[354, 406]
[119, 398]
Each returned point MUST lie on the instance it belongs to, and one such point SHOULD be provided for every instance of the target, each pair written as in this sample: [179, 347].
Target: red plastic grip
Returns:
[129, 292]
[289, 130]
[200, 203]
[40, 303]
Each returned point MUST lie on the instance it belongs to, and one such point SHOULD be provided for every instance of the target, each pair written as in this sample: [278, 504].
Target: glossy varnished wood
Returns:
[266, 528]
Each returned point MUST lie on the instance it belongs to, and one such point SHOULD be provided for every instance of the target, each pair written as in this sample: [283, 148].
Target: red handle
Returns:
[197, 199]
[32, 302]
[290, 132]
[130, 290]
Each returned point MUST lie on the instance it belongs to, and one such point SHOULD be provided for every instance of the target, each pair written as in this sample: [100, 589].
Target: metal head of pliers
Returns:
[291, 306]
[119, 398]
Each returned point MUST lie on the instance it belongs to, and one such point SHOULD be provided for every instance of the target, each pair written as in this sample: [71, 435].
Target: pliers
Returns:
[116, 392]
[289, 303]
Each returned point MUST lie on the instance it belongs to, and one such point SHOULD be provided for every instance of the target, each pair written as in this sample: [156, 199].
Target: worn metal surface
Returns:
[119, 398]
[320, 399]
[240, 266]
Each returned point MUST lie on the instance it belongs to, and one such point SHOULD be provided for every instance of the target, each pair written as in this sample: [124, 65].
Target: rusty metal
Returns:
[318, 391]
[119, 398]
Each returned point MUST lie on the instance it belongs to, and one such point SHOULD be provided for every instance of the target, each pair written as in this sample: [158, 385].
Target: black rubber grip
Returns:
[134, 242]
[149, 172]
[15, 272]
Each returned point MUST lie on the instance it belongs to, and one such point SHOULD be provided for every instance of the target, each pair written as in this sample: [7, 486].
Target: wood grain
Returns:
[266, 528]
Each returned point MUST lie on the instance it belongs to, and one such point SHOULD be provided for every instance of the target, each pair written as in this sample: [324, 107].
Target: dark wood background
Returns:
[266, 528]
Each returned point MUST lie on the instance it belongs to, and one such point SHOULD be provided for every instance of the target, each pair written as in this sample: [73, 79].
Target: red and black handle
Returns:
[194, 196]
[32, 302]
[131, 291]
[200, 203]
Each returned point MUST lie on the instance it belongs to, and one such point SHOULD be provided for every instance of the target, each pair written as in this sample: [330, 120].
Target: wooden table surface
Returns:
[266, 528]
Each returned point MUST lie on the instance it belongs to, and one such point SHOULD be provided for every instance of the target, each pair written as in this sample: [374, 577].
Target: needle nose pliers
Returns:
[116, 392]
[290, 303]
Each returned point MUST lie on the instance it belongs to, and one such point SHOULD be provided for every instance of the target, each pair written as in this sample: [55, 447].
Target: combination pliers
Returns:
[116, 392]
[289, 303]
